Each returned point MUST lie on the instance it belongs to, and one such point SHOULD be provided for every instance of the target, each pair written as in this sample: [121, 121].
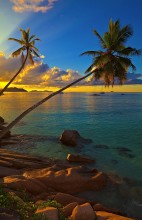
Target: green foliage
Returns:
[4, 200]
[50, 203]
[24, 207]
[61, 216]
[12, 201]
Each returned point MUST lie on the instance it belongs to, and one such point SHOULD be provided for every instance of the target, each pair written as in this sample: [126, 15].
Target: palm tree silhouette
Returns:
[113, 61]
[27, 43]
[108, 64]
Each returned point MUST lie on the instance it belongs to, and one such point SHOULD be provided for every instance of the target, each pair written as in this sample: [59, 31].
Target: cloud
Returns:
[33, 5]
[37, 74]
[40, 74]
[132, 78]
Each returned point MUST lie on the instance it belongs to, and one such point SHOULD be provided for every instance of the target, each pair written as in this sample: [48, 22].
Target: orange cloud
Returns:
[42, 76]
[32, 5]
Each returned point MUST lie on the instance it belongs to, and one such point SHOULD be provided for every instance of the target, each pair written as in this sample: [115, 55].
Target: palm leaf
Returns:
[100, 38]
[16, 40]
[33, 36]
[92, 53]
[30, 59]
[17, 52]
[33, 47]
[35, 53]
[24, 34]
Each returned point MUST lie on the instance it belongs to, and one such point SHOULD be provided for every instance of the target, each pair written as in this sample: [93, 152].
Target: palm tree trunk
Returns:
[7, 85]
[11, 125]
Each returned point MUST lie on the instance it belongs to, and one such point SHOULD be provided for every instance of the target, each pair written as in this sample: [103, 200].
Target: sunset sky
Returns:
[65, 28]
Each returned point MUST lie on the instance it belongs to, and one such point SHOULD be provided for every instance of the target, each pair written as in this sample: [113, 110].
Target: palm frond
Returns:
[30, 58]
[35, 53]
[129, 51]
[16, 40]
[22, 58]
[24, 34]
[126, 62]
[33, 47]
[100, 38]
[92, 53]
[90, 68]
[33, 36]
[17, 52]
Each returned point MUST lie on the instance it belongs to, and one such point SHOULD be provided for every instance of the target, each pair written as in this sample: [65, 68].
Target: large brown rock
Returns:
[49, 213]
[67, 210]
[66, 199]
[70, 137]
[83, 212]
[71, 180]
[6, 171]
[100, 207]
[79, 159]
[109, 216]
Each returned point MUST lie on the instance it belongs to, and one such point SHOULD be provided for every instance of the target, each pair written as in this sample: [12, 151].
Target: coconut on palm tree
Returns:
[26, 51]
[110, 63]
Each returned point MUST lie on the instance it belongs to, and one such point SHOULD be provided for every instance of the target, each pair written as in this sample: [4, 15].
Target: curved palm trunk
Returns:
[11, 125]
[7, 85]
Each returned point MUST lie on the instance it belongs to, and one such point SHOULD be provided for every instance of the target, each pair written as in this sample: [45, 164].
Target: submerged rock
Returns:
[79, 159]
[101, 146]
[126, 152]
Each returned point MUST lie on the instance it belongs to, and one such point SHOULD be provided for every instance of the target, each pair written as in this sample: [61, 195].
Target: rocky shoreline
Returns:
[43, 180]
[58, 190]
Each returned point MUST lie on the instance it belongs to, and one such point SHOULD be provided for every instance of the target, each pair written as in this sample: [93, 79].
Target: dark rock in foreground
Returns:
[8, 134]
[6, 214]
[1, 120]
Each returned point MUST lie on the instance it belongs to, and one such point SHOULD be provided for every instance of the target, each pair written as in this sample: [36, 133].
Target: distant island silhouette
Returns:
[15, 89]
[40, 91]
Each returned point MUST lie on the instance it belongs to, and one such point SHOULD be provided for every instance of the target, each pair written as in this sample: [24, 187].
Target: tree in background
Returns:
[27, 43]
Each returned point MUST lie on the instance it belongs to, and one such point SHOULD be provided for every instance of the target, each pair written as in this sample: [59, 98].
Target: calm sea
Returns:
[112, 120]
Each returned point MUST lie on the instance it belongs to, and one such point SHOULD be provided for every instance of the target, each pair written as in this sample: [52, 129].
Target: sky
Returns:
[65, 28]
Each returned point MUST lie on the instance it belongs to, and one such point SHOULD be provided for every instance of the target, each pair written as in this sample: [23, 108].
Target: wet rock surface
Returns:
[79, 159]
[125, 152]
[73, 138]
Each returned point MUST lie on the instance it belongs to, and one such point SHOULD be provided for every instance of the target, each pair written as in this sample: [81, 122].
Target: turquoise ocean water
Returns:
[112, 120]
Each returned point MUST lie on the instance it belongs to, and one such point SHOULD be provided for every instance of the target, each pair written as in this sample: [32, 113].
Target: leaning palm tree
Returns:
[110, 63]
[27, 43]
[114, 60]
